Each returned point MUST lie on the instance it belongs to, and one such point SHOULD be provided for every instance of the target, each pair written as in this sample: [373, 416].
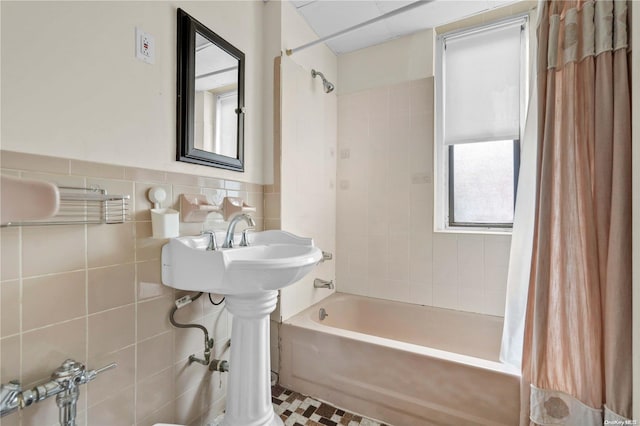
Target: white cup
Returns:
[165, 223]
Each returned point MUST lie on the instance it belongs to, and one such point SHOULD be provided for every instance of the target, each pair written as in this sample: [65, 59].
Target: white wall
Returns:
[72, 87]
[308, 161]
[403, 59]
[271, 48]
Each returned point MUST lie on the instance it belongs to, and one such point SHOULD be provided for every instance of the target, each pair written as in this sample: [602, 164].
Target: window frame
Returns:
[450, 204]
[443, 176]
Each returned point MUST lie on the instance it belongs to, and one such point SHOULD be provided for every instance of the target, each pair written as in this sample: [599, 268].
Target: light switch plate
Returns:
[145, 47]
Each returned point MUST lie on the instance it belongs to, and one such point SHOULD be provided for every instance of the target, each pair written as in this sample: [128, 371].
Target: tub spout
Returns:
[318, 283]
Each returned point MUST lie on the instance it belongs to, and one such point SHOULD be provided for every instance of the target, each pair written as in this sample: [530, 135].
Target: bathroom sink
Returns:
[274, 259]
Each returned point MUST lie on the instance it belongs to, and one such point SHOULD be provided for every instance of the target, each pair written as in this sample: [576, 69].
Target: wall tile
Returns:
[98, 170]
[155, 391]
[118, 410]
[58, 179]
[445, 296]
[496, 278]
[43, 413]
[53, 298]
[9, 307]
[494, 302]
[112, 330]
[11, 419]
[421, 293]
[183, 179]
[110, 244]
[272, 205]
[153, 317]
[471, 299]
[154, 354]
[188, 341]
[44, 349]
[109, 383]
[10, 355]
[145, 175]
[497, 250]
[52, 249]
[471, 262]
[150, 280]
[188, 376]
[9, 253]
[422, 95]
[397, 161]
[189, 405]
[398, 257]
[421, 143]
[445, 260]
[165, 414]
[39, 163]
[110, 287]
[89, 291]
[400, 97]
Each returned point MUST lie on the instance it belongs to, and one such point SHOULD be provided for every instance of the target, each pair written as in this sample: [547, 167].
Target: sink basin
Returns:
[274, 259]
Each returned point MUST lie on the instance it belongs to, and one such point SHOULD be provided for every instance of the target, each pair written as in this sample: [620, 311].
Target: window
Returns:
[481, 77]
[226, 123]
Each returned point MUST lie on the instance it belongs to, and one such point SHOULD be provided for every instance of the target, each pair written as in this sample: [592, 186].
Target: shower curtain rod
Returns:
[362, 24]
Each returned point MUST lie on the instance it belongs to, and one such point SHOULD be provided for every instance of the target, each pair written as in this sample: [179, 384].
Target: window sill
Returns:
[474, 231]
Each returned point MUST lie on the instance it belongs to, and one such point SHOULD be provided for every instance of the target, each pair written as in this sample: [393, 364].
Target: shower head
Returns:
[328, 86]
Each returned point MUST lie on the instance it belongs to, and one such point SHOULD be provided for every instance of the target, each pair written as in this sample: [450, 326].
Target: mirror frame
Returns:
[186, 151]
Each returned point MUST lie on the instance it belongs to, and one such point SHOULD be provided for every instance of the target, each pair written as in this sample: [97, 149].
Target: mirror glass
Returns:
[210, 97]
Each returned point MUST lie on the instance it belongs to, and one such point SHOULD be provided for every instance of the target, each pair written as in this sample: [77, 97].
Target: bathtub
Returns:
[400, 363]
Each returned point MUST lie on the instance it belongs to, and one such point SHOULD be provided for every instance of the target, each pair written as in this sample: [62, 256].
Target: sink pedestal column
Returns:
[249, 381]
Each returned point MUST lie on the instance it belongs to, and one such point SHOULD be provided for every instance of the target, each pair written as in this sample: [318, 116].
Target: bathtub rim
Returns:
[304, 320]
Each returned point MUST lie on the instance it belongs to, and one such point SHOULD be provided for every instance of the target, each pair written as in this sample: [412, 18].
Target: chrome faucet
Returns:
[228, 239]
[213, 243]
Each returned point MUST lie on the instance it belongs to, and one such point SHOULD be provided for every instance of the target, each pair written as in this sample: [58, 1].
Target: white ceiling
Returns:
[328, 17]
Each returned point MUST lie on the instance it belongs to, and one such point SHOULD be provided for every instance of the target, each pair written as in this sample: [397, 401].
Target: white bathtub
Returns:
[400, 363]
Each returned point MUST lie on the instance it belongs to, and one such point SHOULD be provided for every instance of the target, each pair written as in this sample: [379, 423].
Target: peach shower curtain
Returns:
[577, 341]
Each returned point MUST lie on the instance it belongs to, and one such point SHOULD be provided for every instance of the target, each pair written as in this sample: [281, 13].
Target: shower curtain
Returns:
[577, 336]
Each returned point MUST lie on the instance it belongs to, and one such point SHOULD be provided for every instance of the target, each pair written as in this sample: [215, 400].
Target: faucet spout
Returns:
[228, 239]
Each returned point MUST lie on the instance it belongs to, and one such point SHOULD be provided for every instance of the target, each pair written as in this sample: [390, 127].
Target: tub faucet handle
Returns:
[319, 283]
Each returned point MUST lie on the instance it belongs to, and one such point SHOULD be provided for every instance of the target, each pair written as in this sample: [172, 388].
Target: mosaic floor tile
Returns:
[296, 409]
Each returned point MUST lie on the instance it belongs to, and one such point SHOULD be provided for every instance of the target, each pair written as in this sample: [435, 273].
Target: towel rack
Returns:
[91, 205]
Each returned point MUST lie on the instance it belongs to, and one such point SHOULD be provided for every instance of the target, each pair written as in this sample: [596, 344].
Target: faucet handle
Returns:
[213, 243]
[93, 373]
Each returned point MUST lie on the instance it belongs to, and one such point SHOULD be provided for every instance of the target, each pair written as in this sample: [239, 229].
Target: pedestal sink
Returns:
[249, 277]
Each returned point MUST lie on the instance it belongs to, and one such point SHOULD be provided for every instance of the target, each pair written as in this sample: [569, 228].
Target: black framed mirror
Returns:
[210, 97]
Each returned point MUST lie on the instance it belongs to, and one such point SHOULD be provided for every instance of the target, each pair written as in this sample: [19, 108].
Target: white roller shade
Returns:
[482, 85]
